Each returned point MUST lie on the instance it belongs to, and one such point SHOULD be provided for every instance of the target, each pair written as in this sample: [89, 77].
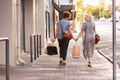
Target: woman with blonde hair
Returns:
[88, 28]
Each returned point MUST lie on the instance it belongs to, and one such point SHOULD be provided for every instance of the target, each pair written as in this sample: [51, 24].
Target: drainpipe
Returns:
[51, 19]
[18, 32]
[34, 16]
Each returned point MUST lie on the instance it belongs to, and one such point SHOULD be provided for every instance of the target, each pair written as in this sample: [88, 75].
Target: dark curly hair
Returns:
[66, 14]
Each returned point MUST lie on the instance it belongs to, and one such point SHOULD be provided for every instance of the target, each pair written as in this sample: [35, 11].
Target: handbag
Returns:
[67, 36]
[76, 51]
[97, 38]
[51, 50]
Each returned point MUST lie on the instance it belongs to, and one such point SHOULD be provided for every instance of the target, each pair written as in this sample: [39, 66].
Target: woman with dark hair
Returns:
[63, 26]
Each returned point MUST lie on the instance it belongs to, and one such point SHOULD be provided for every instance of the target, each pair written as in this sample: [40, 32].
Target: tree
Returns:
[118, 7]
[107, 14]
[79, 10]
[89, 9]
[109, 7]
[96, 11]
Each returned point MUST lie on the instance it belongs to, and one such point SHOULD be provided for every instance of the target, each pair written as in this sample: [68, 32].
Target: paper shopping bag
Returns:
[76, 51]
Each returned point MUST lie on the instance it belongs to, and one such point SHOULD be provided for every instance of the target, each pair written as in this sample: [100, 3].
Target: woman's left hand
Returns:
[75, 39]
[53, 40]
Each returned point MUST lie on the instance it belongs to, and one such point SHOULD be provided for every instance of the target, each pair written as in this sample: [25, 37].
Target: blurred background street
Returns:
[104, 29]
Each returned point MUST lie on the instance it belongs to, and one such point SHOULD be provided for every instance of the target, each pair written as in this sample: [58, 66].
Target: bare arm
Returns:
[70, 31]
[95, 29]
[80, 33]
[56, 32]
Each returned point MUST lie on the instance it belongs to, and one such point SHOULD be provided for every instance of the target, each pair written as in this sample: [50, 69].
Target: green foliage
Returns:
[118, 7]
[79, 4]
[109, 7]
[107, 14]
[79, 10]
[79, 15]
[96, 11]
[89, 9]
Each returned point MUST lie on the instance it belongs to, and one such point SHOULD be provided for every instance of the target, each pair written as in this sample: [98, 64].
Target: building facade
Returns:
[18, 20]
[21, 18]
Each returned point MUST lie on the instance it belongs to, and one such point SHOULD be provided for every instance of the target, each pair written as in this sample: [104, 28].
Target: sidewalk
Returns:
[47, 68]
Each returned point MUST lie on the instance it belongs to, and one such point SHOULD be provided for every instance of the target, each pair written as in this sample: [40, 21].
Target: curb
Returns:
[105, 56]
[118, 29]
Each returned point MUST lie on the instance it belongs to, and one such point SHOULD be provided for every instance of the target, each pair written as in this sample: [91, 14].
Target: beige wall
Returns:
[35, 19]
[41, 20]
[28, 23]
[10, 23]
[6, 30]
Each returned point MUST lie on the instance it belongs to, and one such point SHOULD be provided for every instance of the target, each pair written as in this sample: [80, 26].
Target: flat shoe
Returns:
[60, 62]
[64, 63]
[89, 65]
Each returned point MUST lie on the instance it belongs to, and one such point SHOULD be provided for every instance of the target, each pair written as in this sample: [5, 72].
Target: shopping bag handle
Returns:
[76, 42]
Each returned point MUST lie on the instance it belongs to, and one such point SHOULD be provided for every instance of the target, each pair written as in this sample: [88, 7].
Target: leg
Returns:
[61, 49]
[66, 43]
[90, 62]
[90, 53]
[84, 52]
[65, 47]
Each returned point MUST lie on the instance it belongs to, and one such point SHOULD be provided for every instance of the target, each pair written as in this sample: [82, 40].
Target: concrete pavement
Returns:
[47, 68]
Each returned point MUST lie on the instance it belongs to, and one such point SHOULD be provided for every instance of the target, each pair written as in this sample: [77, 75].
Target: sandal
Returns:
[64, 63]
[60, 62]
[89, 65]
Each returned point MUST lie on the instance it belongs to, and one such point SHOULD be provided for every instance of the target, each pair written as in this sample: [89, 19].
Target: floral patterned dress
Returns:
[89, 39]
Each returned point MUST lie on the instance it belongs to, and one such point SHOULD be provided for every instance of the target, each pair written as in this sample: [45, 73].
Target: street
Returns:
[104, 29]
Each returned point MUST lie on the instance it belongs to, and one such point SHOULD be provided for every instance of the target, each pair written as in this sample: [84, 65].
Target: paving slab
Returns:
[47, 68]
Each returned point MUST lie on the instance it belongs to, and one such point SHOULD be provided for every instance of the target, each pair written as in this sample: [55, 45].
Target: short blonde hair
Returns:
[88, 17]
